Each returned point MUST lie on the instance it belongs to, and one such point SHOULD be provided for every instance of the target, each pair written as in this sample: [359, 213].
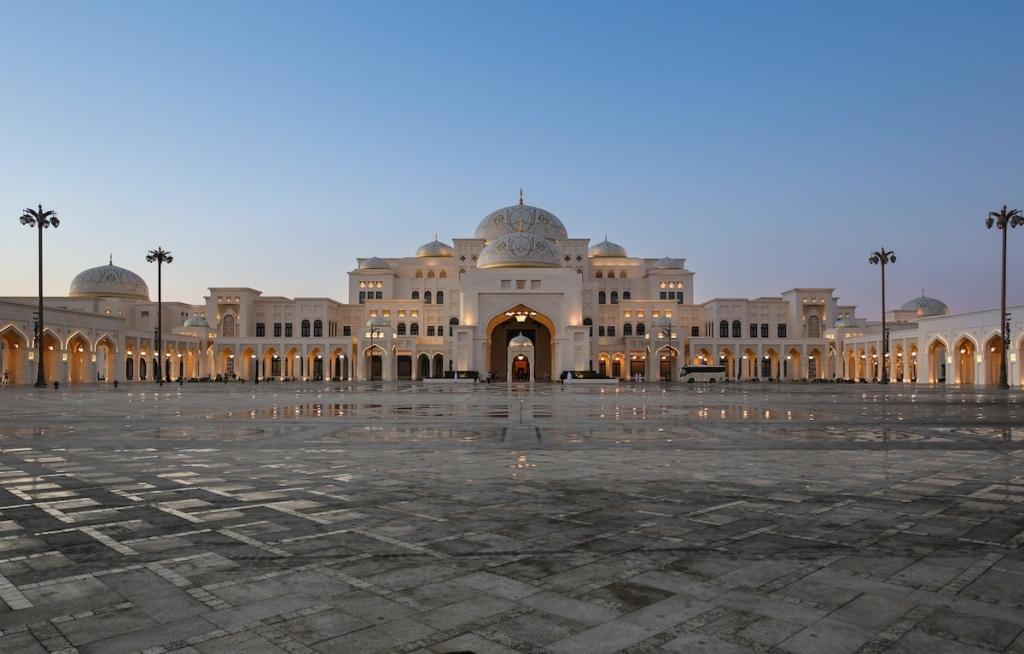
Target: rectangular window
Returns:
[663, 295]
[261, 330]
[753, 330]
[764, 330]
[362, 297]
[277, 329]
[520, 283]
[611, 331]
[380, 295]
[346, 330]
[506, 284]
[695, 331]
[679, 297]
[782, 330]
[287, 330]
[600, 330]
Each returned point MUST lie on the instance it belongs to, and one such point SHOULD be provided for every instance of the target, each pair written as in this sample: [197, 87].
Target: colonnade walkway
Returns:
[493, 518]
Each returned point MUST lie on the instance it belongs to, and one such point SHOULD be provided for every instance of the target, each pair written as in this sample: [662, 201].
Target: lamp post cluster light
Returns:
[881, 258]
[40, 219]
[1003, 220]
[160, 256]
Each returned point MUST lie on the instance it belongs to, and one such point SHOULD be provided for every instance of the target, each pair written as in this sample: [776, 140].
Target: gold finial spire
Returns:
[520, 196]
[111, 261]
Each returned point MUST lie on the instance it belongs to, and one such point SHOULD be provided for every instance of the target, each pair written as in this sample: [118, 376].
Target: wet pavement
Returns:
[411, 518]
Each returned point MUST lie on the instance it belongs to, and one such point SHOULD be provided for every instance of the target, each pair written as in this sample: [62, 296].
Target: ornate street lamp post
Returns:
[40, 220]
[882, 257]
[1004, 220]
[160, 256]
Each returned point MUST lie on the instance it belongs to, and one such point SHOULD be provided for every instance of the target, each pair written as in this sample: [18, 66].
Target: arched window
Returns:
[415, 295]
[627, 330]
[227, 328]
[430, 275]
[723, 329]
[305, 329]
[440, 297]
[414, 329]
[626, 295]
[737, 329]
[640, 329]
[318, 328]
[452, 322]
[599, 275]
[622, 275]
[601, 297]
[814, 327]
[426, 297]
[401, 329]
[430, 330]
[587, 322]
[142, 369]
[615, 297]
[419, 274]
[442, 275]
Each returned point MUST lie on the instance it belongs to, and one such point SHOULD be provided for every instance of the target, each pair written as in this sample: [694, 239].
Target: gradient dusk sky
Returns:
[772, 144]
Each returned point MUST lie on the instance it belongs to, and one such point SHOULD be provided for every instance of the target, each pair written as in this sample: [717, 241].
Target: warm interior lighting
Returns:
[521, 314]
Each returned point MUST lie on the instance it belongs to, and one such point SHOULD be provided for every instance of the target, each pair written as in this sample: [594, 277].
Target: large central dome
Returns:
[521, 218]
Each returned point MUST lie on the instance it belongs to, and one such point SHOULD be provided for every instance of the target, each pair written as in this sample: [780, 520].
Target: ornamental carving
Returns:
[521, 219]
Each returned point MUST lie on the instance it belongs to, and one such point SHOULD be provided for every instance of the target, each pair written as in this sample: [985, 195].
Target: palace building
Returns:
[520, 300]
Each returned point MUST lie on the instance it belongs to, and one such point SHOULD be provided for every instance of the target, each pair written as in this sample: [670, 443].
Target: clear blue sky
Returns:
[773, 144]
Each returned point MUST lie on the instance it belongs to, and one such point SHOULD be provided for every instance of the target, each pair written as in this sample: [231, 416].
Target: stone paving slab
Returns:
[636, 518]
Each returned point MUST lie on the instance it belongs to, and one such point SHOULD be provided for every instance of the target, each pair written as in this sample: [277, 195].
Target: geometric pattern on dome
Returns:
[109, 281]
[521, 218]
[925, 306]
[520, 342]
[374, 263]
[519, 250]
[667, 263]
[607, 249]
[435, 249]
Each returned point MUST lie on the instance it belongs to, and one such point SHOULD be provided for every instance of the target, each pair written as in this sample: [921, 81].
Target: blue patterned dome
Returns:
[925, 306]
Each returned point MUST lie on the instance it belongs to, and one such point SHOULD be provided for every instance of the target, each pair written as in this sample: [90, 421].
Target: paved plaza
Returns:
[802, 518]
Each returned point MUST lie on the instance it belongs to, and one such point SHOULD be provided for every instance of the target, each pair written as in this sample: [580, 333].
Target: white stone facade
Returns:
[454, 308]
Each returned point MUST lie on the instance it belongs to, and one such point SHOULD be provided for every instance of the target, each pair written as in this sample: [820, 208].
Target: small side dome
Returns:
[520, 342]
[196, 321]
[519, 250]
[435, 248]
[109, 281]
[374, 263]
[667, 263]
[925, 306]
[607, 249]
[377, 322]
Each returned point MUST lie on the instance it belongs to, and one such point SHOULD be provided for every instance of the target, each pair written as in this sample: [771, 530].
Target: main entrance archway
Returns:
[536, 327]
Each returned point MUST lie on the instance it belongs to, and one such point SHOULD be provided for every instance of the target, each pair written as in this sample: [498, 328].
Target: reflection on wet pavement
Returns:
[401, 517]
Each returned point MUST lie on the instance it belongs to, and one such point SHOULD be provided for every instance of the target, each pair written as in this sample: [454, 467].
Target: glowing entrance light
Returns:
[521, 314]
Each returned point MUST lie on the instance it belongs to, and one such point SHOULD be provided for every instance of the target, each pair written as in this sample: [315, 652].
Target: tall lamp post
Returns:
[881, 258]
[40, 220]
[1004, 220]
[160, 256]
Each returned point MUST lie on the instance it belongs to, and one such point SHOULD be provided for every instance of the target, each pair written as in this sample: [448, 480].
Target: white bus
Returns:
[706, 374]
